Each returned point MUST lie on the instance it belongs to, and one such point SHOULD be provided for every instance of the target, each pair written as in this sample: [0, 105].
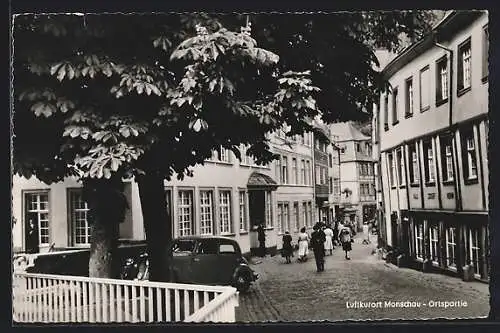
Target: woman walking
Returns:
[303, 244]
[287, 250]
[328, 240]
[346, 240]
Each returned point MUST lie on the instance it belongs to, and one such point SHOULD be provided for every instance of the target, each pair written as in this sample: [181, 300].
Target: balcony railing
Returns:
[44, 298]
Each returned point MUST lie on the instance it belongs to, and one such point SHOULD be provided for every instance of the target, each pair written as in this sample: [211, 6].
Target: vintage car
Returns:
[200, 260]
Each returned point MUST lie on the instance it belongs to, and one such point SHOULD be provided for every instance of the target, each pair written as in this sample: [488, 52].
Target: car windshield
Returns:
[183, 247]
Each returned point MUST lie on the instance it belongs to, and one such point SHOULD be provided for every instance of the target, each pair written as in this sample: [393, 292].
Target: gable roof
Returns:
[347, 132]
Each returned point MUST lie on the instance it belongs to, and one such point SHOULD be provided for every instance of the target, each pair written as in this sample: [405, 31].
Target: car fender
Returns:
[245, 269]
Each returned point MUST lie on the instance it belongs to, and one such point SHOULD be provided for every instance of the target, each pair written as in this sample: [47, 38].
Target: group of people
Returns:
[321, 241]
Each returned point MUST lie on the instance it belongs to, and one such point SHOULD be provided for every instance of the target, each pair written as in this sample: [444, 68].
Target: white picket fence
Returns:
[45, 298]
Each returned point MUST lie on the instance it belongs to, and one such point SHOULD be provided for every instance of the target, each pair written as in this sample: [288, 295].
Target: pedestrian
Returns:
[261, 236]
[329, 239]
[32, 242]
[287, 249]
[303, 244]
[346, 240]
[318, 244]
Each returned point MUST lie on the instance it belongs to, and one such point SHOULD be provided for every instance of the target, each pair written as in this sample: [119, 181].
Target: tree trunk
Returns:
[157, 224]
[107, 205]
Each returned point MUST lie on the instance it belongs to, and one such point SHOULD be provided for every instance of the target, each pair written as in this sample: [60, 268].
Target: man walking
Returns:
[318, 244]
[261, 236]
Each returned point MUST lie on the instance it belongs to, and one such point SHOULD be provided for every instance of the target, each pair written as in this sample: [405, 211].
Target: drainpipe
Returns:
[450, 124]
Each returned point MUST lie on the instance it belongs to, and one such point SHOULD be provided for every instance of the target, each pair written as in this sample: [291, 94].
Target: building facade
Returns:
[432, 130]
[321, 178]
[294, 173]
[224, 197]
[357, 181]
[333, 179]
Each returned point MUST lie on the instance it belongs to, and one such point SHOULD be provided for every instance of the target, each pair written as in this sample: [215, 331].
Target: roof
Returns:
[257, 179]
[347, 132]
[453, 21]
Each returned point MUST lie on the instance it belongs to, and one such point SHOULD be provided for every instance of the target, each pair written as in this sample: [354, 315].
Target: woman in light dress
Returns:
[329, 240]
[303, 242]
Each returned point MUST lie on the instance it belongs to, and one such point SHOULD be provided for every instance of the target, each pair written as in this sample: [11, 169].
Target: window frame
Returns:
[442, 94]
[462, 88]
[202, 214]
[414, 167]
[409, 97]
[228, 207]
[451, 261]
[446, 142]
[400, 156]
[386, 112]
[485, 53]
[38, 211]
[428, 145]
[419, 240]
[191, 207]
[73, 228]
[469, 156]
[395, 111]
[477, 268]
[243, 210]
[434, 244]
[392, 169]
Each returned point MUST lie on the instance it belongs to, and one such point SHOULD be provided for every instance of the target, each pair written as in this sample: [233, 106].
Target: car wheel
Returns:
[243, 282]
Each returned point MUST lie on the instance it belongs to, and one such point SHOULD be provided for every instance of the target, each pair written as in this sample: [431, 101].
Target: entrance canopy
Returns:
[260, 181]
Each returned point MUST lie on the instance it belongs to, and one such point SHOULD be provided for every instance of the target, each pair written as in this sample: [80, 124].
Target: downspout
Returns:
[450, 124]
[461, 246]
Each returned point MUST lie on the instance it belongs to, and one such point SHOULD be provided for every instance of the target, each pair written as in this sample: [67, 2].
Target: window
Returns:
[330, 184]
[296, 216]
[409, 97]
[226, 248]
[318, 175]
[386, 112]
[279, 175]
[225, 212]
[486, 46]
[358, 147]
[442, 80]
[269, 212]
[330, 160]
[464, 66]
[224, 155]
[206, 212]
[243, 210]
[280, 217]
[285, 170]
[433, 238]
[401, 166]
[37, 207]
[392, 169]
[429, 165]
[424, 89]
[447, 159]
[183, 247]
[419, 241]
[304, 214]
[284, 216]
[414, 170]
[395, 106]
[310, 213]
[79, 222]
[308, 173]
[451, 247]
[186, 217]
[469, 155]
[207, 246]
[475, 251]
[293, 175]
[303, 172]
[336, 186]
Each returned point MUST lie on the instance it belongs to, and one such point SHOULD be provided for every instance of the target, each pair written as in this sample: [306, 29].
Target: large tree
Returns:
[107, 97]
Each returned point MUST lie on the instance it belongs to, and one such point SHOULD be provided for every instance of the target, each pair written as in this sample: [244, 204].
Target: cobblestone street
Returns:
[296, 292]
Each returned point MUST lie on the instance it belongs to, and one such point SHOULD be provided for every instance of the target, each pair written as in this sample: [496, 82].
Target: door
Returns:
[182, 252]
[203, 262]
[229, 259]
[394, 229]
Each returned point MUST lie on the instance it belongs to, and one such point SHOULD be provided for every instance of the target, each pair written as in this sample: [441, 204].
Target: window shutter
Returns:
[439, 95]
